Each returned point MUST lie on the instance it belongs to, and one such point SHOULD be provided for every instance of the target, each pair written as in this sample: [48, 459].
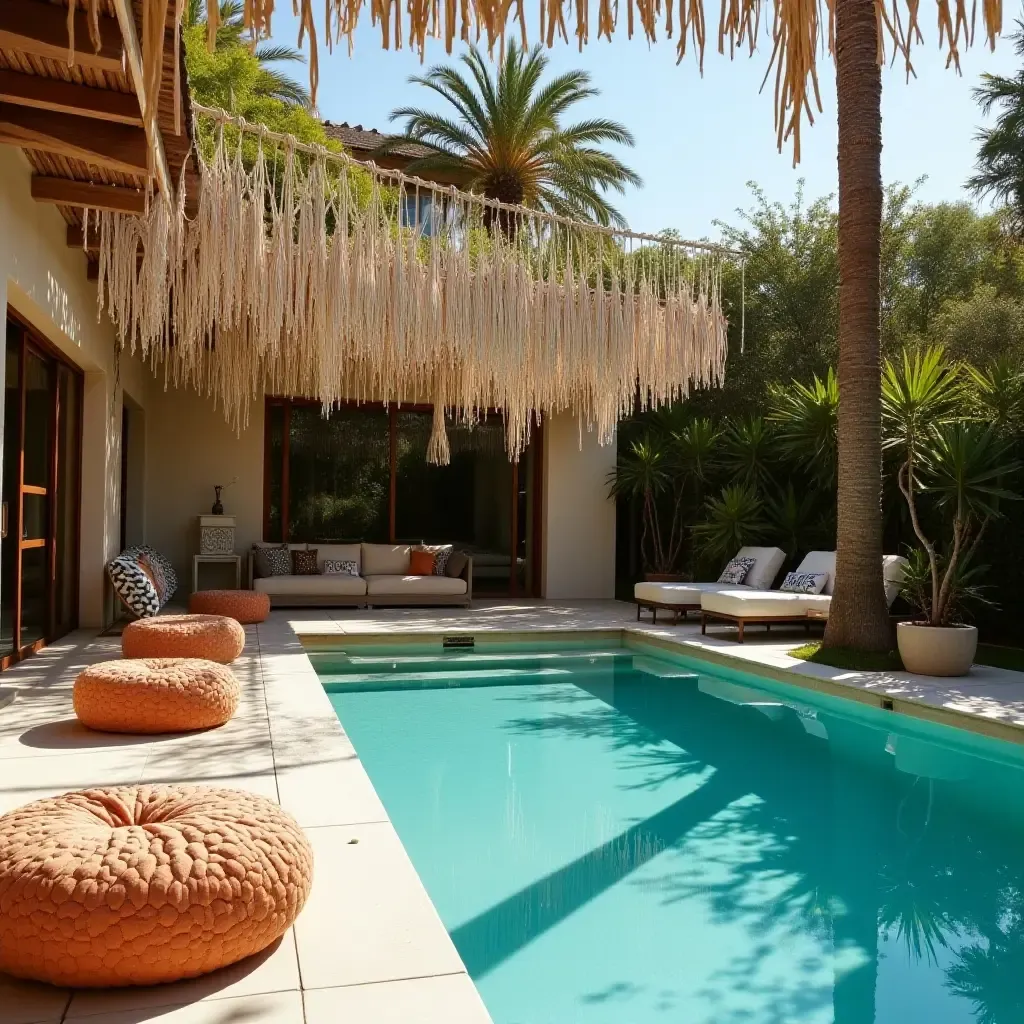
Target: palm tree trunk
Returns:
[858, 616]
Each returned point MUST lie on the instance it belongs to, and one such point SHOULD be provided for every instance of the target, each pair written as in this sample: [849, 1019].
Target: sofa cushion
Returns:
[763, 603]
[332, 585]
[385, 559]
[767, 563]
[456, 564]
[421, 563]
[339, 553]
[398, 586]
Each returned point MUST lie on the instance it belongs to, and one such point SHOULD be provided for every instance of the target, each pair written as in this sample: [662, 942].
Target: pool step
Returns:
[449, 678]
[334, 664]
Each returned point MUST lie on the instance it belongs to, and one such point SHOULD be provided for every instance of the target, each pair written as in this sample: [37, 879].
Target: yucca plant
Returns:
[642, 473]
[961, 464]
[748, 451]
[807, 418]
[733, 519]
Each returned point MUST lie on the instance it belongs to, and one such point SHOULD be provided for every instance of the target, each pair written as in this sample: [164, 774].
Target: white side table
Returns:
[235, 560]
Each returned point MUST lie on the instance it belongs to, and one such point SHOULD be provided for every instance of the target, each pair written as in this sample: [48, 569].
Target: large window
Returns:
[361, 473]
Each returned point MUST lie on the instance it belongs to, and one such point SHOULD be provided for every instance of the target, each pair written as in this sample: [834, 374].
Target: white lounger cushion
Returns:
[820, 561]
[676, 594]
[763, 603]
[399, 586]
[893, 567]
[334, 585]
[767, 563]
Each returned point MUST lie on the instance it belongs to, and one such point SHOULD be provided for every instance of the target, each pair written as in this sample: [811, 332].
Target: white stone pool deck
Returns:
[369, 946]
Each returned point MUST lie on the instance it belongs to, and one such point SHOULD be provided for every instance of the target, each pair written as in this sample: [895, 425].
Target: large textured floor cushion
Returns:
[154, 695]
[245, 606]
[139, 885]
[214, 637]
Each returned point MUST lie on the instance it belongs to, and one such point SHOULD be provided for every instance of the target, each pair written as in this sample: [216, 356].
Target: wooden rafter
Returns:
[69, 98]
[97, 143]
[64, 192]
[41, 29]
[133, 58]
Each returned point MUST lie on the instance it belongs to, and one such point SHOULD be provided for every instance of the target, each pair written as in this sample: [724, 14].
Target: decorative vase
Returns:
[937, 650]
[218, 508]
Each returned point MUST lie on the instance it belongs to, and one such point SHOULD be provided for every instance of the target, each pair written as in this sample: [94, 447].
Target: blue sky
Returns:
[700, 140]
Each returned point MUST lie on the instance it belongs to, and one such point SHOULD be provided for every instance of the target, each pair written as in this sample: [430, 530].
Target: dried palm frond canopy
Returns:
[306, 273]
[796, 32]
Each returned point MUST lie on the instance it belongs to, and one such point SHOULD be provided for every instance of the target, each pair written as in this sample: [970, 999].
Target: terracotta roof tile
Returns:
[361, 142]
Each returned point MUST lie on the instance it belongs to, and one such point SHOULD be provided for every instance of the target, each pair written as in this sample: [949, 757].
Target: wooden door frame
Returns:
[51, 355]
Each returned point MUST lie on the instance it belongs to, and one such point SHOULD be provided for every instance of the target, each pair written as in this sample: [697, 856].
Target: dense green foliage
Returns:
[952, 278]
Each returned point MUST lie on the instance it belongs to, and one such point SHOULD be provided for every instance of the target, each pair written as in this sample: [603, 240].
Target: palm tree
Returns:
[231, 32]
[1000, 163]
[858, 616]
[507, 140]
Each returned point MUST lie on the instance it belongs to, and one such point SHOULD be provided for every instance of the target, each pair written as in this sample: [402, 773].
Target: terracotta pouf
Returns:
[139, 885]
[214, 637]
[153, 695]
[245, 606]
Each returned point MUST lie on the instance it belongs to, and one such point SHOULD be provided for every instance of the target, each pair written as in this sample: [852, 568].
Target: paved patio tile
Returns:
[447, 999]
[274, 1008]
[23, 779]
[25, 1002]
[272, 971]
[368, 917]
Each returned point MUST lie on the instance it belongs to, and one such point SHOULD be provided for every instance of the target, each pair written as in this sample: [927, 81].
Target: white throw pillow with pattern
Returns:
[804, 582]
[736, 571]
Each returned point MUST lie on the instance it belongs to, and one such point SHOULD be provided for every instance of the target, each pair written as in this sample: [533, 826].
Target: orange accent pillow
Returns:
[421, 563]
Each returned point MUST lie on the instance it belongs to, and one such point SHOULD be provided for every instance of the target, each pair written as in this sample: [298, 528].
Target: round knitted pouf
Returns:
[153, 695]
[245, 606]
[147, 884]
[214, 637]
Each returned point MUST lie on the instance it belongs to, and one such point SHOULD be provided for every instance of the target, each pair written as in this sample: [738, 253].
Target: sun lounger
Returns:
[682, 598]
[775, 607]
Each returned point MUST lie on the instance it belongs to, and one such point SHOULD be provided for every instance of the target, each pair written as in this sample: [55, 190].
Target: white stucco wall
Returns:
[190, 448]
[45, 282]
[579, 517]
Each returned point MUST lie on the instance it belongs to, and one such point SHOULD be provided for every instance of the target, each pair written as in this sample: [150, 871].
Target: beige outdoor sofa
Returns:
[776, 607]
[383, 580]
[682, 598]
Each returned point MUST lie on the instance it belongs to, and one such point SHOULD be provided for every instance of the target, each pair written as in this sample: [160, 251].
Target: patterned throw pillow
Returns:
[340, 567]
[272, 561]
[441, 553]
[736, 571]
[133, 586]
[804, 582]
[304, 563]
[152, 568]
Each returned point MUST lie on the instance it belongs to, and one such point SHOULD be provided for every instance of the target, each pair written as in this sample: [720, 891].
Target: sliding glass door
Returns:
[361, 474]
[39, 510]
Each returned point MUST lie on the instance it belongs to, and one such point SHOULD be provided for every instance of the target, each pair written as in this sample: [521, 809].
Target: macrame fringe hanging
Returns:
[303, 273]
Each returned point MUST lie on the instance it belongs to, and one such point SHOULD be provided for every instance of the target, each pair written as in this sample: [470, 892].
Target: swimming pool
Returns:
[613, 836]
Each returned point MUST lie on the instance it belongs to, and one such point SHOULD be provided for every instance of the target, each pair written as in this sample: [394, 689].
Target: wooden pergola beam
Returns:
[133, 59]
[65, 192]
[41, 29]
[68, 98]
[118, 147]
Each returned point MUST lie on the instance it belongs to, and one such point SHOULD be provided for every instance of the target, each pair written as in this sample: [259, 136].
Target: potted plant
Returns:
[961, 465]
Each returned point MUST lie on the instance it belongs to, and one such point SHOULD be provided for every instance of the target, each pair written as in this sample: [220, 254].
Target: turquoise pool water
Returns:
[615, 838]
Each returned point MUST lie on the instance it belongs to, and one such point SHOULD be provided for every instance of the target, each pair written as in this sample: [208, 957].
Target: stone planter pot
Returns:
[937, 650]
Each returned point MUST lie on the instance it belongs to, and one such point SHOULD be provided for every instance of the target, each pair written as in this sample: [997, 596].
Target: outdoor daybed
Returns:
[682, 598]
[775, 607]
[360, 575]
